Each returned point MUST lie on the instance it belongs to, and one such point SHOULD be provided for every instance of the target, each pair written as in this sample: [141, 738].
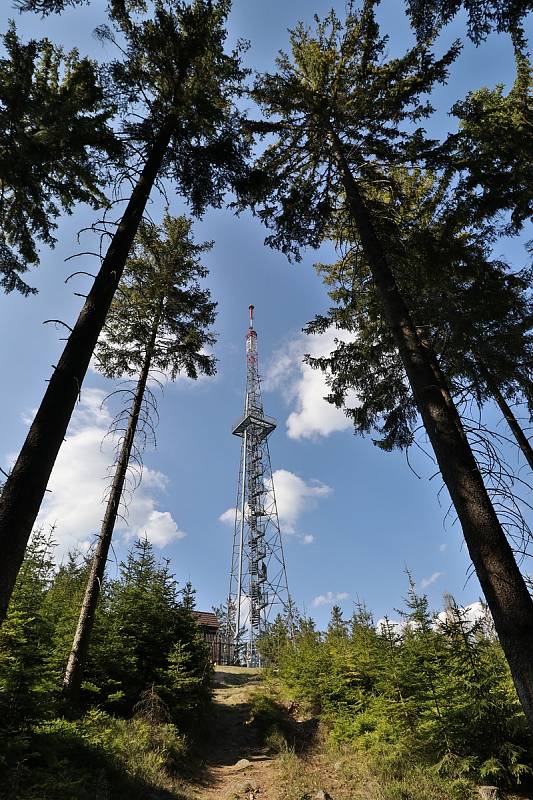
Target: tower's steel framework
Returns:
[258, 588]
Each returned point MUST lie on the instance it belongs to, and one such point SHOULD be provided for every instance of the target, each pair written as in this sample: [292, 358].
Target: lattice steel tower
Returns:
[258, 588]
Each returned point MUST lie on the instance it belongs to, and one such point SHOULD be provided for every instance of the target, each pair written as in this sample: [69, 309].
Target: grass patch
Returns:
[350, 774]
[96, 758]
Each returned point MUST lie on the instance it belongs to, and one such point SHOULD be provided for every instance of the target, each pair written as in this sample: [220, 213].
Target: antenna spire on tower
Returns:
[258, 578]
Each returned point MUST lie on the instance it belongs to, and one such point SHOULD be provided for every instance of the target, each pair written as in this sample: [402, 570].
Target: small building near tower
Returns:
[209, 625]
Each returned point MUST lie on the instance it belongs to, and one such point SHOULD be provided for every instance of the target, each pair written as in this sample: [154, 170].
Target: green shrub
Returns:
[434, 693]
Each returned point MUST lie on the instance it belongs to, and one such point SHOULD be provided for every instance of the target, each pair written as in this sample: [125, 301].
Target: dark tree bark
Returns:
[521, 438]
[24, 489]
[82, 637]
[501, 581]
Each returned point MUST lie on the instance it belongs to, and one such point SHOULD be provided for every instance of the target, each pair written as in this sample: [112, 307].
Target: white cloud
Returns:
[294, 496]
[161, 529]
[471, 614]
[396, 626]
[425, 582]
[329, 599]
[305, 388]
[443, 547]
[80, 478]
[228, 516]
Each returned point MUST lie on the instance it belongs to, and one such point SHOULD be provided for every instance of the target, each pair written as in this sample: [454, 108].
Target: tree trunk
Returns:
[501, 581]
[24, 489]
[518, 433]
[82, 637]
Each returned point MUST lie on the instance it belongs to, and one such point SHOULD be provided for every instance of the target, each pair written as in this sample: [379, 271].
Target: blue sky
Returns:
[354, 517]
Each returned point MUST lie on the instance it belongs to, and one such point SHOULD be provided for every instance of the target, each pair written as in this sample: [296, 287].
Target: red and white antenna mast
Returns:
[258, 587]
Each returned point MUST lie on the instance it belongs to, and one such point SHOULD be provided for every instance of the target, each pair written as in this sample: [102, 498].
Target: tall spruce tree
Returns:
[273, 641]
[141, 623]
[472, 308]
[54, 141]
[341, 114]
[176, 85]
[151, 652]
[188, 597]
[338, 626]
[159, 321]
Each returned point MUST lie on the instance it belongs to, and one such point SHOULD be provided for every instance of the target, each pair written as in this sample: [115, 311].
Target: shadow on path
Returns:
[223, 677]
[235, 763]
[232, 738]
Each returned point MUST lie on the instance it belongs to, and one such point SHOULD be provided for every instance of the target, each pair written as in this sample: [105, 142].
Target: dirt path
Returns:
[238, 766]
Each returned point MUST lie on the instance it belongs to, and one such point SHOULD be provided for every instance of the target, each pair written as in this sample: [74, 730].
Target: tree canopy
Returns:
[490, 152]
[483, 16]
[337, 80]
[51, 103]
[471, 308]
[174, 64]
[46, 7]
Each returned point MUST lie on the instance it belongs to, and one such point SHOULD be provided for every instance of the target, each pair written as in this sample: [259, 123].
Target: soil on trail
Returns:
[232, 739]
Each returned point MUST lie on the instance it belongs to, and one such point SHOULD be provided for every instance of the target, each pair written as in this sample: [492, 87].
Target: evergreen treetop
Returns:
[188, 597]
[160, 287]
[336, 86]
[338, 626]
[174, 72]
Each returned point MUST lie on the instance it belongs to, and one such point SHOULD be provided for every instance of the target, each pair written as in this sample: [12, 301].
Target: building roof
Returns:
[206, 619]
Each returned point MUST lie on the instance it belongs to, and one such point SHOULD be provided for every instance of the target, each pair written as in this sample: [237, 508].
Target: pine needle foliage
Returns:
[56, 147]
[161, 284]
[337, 83]
[45, 7]
[471, 308]
[144, 640]
[490, 153]
[175, 71]
[483, 16]
[149, 640]
[26, 680]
